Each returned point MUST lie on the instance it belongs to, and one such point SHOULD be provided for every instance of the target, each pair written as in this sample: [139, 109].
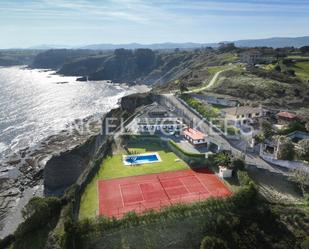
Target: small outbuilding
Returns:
[225, 172]
[195, 137]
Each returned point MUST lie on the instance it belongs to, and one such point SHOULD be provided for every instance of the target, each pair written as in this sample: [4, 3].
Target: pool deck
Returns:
[126, 163]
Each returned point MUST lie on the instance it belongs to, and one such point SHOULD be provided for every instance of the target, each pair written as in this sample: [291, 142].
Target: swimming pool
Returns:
[141, 159]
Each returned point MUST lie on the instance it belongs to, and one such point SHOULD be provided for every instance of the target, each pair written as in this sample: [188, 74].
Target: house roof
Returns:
[242, 110]
[288, 115]
[194, 134]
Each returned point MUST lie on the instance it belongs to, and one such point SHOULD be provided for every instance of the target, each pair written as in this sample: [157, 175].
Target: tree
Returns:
[301, 177]
[238, 164]
[183, 87]
[291, 72]
[222, 158]
[286, 150]
[304, 49]
[278, 68]
[37, 213]
[305, 244]
[267, 129]
[304, 150]
[210, 242]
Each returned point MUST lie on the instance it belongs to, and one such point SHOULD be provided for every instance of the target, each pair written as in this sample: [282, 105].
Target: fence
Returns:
[159, 205]
[285, 163]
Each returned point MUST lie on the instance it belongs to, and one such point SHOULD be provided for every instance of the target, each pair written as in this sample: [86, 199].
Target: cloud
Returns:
[153, 11]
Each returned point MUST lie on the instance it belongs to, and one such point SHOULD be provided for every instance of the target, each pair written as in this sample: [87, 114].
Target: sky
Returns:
[26, 23]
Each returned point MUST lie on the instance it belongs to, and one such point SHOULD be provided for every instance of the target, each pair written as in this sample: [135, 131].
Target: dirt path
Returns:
[210, 84]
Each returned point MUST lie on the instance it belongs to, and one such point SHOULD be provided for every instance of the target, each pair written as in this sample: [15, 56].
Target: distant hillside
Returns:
[51, 46]
[268, 42]
[276, 42]
[155, 46]
[55, 58]
[13, 57]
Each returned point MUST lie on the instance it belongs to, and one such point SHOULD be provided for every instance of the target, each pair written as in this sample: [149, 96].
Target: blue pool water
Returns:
[140, 159]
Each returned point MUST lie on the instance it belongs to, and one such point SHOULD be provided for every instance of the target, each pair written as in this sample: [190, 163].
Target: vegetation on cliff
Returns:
[13, 57]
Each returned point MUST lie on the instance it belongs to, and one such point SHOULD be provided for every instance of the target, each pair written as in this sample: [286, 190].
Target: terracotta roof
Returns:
[288, 115]
[194, 134]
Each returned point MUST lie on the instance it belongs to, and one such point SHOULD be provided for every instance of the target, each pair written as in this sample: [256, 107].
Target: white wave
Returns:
[3, 147]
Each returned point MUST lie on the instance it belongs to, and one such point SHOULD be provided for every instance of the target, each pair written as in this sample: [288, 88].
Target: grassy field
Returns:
[113, 167]
[302, 70]
[245, 85]
[300, 66]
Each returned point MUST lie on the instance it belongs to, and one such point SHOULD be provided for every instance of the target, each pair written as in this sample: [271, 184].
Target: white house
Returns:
[195, 137]
[251, 57]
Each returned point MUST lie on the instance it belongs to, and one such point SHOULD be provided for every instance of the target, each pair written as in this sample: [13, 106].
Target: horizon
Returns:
[145, 44]
[30, 23]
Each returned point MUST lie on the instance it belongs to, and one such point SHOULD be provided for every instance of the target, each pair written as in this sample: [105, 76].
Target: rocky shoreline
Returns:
[22, 174]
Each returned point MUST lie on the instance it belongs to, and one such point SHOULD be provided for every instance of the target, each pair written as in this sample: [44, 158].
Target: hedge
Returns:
[196, 155]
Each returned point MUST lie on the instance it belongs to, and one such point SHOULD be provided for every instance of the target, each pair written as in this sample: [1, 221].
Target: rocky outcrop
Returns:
[63, 169]
[130, 103]
[56, 58]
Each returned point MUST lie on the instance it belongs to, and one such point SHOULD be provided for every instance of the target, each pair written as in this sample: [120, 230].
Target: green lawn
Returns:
[113, 167]
[302, 69]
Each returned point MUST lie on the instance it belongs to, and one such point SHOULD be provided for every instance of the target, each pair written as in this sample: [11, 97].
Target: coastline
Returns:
[21, 176]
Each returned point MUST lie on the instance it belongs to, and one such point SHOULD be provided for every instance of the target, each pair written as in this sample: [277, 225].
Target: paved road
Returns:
[193, 118]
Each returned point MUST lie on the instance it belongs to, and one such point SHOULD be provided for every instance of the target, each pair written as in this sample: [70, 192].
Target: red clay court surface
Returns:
[153, 191]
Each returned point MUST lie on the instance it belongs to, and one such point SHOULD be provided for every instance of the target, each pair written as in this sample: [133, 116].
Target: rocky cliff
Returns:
[134, 66]
[63, 169]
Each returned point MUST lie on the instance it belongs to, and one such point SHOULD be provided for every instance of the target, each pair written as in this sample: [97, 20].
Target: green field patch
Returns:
[302, 69]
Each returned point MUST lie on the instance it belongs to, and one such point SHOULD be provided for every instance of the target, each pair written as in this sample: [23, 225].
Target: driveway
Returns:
[185, 145]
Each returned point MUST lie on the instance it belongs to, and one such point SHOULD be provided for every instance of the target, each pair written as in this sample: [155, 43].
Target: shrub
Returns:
[210, 242]
[238, 164]
[303, 153]
[37, 213]
[207, 111]
[243, 178]
[286, 150]
[222, 158]
[247, 197]
[305, 244]
[278, 68]
[267, 129]
[196, 155]
[301, 177]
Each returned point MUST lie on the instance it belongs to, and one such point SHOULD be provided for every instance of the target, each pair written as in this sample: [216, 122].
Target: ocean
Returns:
[35, 104]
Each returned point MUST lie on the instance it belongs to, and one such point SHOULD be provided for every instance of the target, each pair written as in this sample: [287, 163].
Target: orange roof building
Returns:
[288, 115]
[284, 117]
[195, 137]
